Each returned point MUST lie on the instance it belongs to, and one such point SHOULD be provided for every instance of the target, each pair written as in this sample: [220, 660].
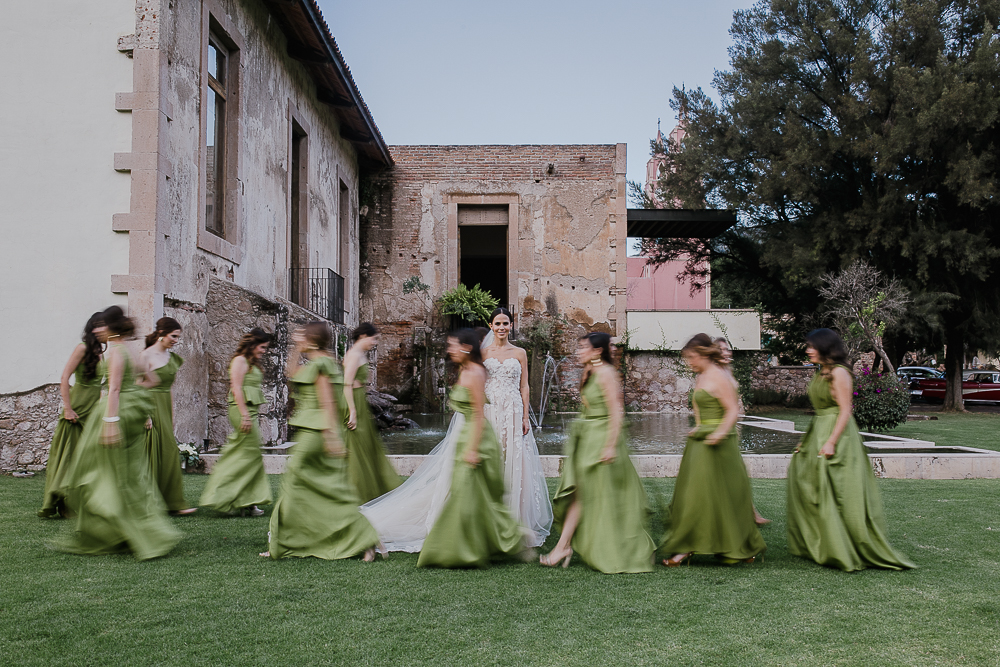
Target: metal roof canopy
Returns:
[679, 223]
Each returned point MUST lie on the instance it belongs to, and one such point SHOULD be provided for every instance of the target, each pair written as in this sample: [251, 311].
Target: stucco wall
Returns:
[59, 131]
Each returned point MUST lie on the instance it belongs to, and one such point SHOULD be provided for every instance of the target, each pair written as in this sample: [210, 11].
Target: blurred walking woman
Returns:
[86, 365]
[371, 472]
[117, 507]
[475, 524]
[317, 511]
[238, 481]
[712, 509]
[161, 447]
[835, 512]
[600, 501]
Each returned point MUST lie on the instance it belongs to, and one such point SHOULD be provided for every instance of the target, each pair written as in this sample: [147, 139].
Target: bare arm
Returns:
[842, 387]
[331, 435]
[474, 379]
[522, 357]
[110, 434]
[608, 379]
[75, 360]
[145, 376]
[352, 362]
[727, 396]
[238, 370]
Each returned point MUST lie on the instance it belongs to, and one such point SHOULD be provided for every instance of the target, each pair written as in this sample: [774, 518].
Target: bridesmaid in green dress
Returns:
[600, 501]
[712, 509]
[238, 481]
[371, 472]
[161, 447]
[78, 400]
[835, 514]
[117, 507]
[317, 512]
[475, 524]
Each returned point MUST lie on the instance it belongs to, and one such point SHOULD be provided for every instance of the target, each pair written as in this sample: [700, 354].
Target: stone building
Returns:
[195, 159]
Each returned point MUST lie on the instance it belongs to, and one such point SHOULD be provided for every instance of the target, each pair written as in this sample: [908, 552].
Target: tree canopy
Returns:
[851, 130]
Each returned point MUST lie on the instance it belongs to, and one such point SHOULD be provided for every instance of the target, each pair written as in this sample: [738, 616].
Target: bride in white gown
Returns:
[403, 516]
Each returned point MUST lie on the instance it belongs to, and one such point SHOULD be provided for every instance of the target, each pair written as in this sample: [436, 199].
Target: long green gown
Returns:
[117, 506]
[317, 511]
[712, 508]
[238, 479]
[474, 524]
[612, 535]
[161, 446]
[371, 472]
[83, 396]
[835, 514]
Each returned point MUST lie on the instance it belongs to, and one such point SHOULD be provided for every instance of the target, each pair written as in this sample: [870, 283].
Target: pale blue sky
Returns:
[519, 72]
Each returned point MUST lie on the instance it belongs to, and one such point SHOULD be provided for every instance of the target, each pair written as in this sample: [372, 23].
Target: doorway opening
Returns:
[482, 242]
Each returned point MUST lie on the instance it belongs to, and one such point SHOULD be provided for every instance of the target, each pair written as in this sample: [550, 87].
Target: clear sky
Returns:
[522, 72]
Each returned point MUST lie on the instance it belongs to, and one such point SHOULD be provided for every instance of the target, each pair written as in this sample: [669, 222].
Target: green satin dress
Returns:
[83, 396]
[475, 524]
[117, 506]
[612, 535]
[238, 479]
[712, 508]
[835, 514]
[371, 472]
[317, 511]
[161, 446]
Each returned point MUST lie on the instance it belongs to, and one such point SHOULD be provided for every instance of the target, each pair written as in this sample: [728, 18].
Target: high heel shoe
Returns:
[548, 561]
[674, 561]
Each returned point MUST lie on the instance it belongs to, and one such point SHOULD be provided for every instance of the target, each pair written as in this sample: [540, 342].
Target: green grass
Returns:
[972, 429]
[213, 601]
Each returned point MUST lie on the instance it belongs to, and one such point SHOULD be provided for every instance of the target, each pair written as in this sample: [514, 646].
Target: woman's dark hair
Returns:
[364, 329]
[249, 341]
[481, 334]
[164, 326]
[600, 341]
[830, 346]
[93, 348]
[470, 337]
[117, 323]
[501, 311]
[704, 345]
[318, 333]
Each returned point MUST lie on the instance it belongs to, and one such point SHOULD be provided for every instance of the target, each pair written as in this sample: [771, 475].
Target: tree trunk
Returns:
[887, 366]
[955, 339]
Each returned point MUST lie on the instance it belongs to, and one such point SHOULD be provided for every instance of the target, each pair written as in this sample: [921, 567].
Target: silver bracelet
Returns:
[111, 420]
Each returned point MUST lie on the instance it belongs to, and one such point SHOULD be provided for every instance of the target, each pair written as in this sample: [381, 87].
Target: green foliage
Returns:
[471, 305]
[542, 334]
[881, 401]
[414, 284]
[759, 397]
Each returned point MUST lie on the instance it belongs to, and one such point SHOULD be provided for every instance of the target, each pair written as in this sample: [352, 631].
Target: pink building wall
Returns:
[658, 288]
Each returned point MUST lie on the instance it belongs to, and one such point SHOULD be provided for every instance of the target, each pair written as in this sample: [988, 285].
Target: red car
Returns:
[980, 386]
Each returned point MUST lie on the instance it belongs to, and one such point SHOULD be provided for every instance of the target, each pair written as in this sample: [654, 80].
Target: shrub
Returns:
[472, 305]
[881, 401]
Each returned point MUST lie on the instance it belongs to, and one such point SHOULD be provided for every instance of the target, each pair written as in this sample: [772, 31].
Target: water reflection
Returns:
[648, 434]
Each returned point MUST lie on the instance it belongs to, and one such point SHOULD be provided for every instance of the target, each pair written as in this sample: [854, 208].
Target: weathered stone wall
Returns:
[793, 380]
[656, 383]
[27, 421]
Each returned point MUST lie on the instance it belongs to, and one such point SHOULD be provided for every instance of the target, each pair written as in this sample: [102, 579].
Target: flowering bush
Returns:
[881, 401]
[189, 455]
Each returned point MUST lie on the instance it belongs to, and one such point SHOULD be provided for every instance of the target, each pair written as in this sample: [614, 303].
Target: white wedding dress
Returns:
[405, 515]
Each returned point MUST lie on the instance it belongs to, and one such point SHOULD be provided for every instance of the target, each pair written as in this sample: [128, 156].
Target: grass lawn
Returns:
[972, 429]
[213, 601]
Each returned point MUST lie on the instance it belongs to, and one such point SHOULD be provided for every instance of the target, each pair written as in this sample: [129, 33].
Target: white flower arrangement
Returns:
[189, 455]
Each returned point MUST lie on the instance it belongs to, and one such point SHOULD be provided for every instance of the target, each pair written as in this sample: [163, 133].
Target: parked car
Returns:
[914, 374]
[980, 386]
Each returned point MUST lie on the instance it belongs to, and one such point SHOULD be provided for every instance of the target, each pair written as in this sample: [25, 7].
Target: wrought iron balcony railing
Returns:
[319, 290]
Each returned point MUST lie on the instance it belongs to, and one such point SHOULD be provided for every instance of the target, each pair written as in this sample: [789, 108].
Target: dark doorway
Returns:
[483, 259]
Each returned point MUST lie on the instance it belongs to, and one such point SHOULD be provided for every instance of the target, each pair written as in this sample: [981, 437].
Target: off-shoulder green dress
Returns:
[238, 479]
[117, 506]
[712, 508]
[161, 446]
[83, 396]
[613, 534]
[475, 523]
[835, 514]
[317, 511]
[371, 472]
